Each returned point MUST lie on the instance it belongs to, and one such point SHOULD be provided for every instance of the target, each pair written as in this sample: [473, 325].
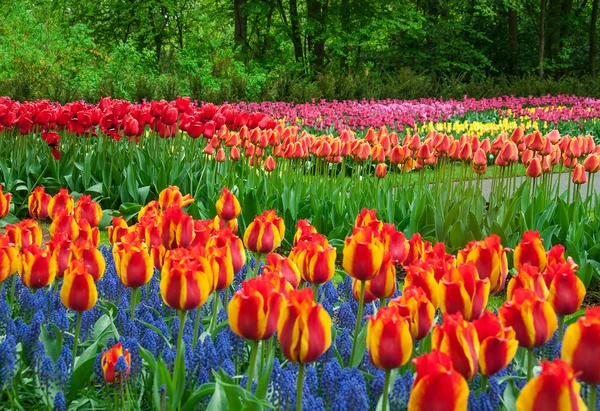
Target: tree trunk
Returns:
[593, 39]
[241, 23]
[513, 32]
[542, 38]
[295, 23]
[316, 13]
[345, 24]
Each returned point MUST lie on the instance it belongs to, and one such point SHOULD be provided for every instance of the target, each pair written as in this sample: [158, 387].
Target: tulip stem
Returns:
[361, 306]
[484, 382]
[299, 386]
[529, 363]
[381, 303]
[13, 288]
[315, 290]
[593, 392]
[76, 340]
[133, 301]
[256, 264]
[179, 355]
[196, 327]
[386, 387]
[561, 326]
[253, 354]
[213, 323]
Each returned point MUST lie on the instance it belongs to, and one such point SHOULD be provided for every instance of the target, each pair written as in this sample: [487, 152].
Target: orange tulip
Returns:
[4, 203]
[566, 291]
[109, 361]
[62, 222]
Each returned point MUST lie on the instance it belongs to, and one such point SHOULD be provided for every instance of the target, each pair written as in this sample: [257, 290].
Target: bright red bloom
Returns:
[498, 344]
[458, 338]
[389, 340]
[530, 251]
[37, 203]
[109, 361]
[462, 291]
[580, 346]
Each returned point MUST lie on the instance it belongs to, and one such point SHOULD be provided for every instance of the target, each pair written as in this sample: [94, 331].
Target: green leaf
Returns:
[52, 346]
[90, 352]
[80, 377]
[265, 376]
[104, 329]
[509, 398]
[361, 346]
[148, 357]
[204, 390]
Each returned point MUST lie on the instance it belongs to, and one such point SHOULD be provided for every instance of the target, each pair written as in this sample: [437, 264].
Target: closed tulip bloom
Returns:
[417, 249]
[109, 361]
[133, 263]
[222, 266]
[458, 338]
[437, 386]
[286, 266]
[579, 176]
[4, 203]
[497, 344]
[10, 262]
[530, 251]
[490, 259]
[186, 282]
[363, 254]
[304, 231]
[315, 261]
[38, 267]
[416, 307]
[369, 297]
[368, 218]
[461, 291]
[269, 164]
[389, 341]
[62, 222]
[60, 246]
[422, 275]
[24, 234]
[580, 346]
[225, 237]
[304, 327]
[381, 170]
[554, 389]
[529, 278]
[592, 163]
[89, 210]
[88, 233]
[534, 169]
[395, 242]
[172, 197]
[532, 318]
[566, 291]
[177, 228]
[254, 310]
[150, 212]
[37, 203]
[118, 229]
[265, 233]
[78, 291]
[228, 206]
[61, 201]
[383, 285]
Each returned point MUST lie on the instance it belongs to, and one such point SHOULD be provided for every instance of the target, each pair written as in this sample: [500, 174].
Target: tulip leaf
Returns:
[89, 352]
[80, 377]
[52, 345]
[265, 375]
[509, 398]
[148, 357]
[104, 329]
[361, 346]
[192, 403]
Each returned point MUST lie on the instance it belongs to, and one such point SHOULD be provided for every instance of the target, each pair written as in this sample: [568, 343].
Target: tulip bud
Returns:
[38, 203]
[39, 267]
[381, 170]
[316, 262]
[416, 307]
[78, 291]
[109, 361]
[534, 169]
[578, 176]
[389, 341]
[498, 344]
[228, 207]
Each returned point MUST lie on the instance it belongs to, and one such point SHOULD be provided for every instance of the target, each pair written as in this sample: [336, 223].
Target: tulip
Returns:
[24, 234]
[64, 223]
[304, 332]
[422, 275]
[356, 289]
[534, 169]
[580, 350]
[61, 201]
[461, 291]
[383, 285]
[264, 235]
[60, 246]
[497, 343]
[554, 388]
[529, 278]
[316, 262]
[269, 164]
[134, 266]
[39, 267]
[89, 210]
[490, 259]
[532, 318]
[368, 218]
[458, 338]
[304, 231]
[10, 262]
[416, 307]
[172, 197]
[91, 256]
[416, 249]
[37, 203]
[592, 163]
[381, 170]
[225, 237]
[578, 176]
[228, 206]
[531, 251]
[4, 203]
[566, 292]
[177, 228]
[284, 265]
[78, 291]
[395, 242]
[389, 343]
[109, 361]
[118, 229]
[437, 386]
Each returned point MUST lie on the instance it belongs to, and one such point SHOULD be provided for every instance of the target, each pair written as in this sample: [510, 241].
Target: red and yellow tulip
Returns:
[38, 267]
[254, 310]
[566, 290]
[177, 228]
[78, 291]
[528, 278]
[416, 307]
[63, 222]
[89, 210]
[91, 256]
[458, 338]
[437, 386]
[37, 203]
[109, 361]
[490, 259]
[61, 201]
[316, 262]
[10, 262]
[172, 197]
[420, 274]
[462, 291]
[265, 233]
[497, 343]
[389, 339]
[284, 265]
[133, 263]
[530, 251]
[304, 328]
[554, 389]
[580, 346]
[363, 254]
[4, 203]
[228, 206]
